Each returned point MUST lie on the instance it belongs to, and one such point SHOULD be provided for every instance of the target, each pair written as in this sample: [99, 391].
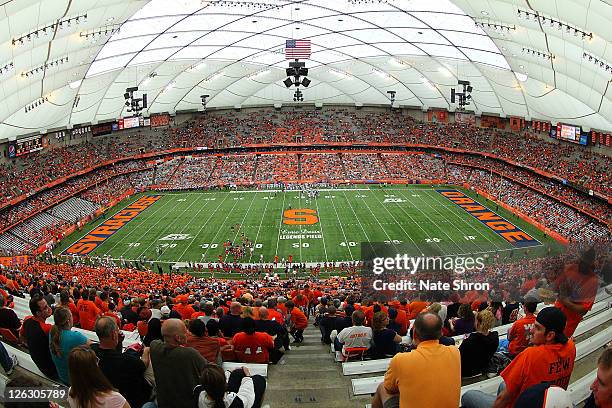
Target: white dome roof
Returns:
[177, 50]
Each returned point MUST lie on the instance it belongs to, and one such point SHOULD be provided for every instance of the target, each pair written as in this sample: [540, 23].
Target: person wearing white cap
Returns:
[165, 312]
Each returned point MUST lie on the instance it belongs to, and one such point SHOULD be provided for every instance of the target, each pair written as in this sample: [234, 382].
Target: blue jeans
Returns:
[479, 399]
[5, 360]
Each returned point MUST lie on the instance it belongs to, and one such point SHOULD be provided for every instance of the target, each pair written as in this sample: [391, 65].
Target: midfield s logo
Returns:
[300, 216]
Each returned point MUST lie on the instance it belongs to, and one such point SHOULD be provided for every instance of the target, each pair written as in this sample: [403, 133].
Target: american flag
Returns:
[297, 49]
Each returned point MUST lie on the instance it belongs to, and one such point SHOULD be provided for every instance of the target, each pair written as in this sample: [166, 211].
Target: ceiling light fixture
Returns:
[528, 14]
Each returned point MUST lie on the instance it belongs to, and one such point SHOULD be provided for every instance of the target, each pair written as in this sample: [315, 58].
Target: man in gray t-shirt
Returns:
[176, 368]
[357, 335]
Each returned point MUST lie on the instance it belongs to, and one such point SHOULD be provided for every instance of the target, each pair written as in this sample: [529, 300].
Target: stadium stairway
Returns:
[308, 376]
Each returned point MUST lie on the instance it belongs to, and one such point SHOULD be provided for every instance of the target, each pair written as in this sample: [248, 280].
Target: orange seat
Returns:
[350, 352]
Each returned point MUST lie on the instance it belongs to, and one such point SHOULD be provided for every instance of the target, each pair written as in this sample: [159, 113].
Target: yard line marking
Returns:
[263, 215]
[300, 230]
[144, 221]
[398, 223]
[316, 200]
[242, 222]
[220, 229]
[346, 241]
[359, 222]
[280, 221]
[428, 217]
[203, 225]
[171, 224]
[183, 230]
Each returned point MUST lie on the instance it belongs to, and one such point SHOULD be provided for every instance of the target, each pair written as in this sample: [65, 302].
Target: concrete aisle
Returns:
[308, 376]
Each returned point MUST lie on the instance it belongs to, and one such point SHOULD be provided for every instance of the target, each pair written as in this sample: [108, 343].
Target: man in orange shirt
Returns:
[88, 311]
[550, 360]
[577, 289]
[520, 332]
[299, 322]
[429, 376]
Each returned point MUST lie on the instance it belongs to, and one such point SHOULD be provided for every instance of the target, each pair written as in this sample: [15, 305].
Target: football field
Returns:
[193, 226]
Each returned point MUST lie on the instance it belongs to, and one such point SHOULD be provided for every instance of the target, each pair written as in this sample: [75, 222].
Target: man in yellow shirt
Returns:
[429, 376]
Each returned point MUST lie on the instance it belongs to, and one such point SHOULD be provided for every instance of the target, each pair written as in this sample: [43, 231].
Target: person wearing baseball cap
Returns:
[550, 359]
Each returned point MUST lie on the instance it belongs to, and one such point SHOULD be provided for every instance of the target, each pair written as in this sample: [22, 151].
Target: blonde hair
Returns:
[247, 312]
[485, 321]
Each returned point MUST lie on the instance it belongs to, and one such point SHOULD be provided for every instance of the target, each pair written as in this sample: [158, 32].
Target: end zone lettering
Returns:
[103, 231]
[511, 233]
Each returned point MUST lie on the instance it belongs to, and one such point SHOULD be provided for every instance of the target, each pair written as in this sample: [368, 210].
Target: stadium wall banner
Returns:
[102, 129]
[462, 117]
[437, 116]
[105, 230]
[508, 231]
[13, 260]
[517, 124]
[492, 122]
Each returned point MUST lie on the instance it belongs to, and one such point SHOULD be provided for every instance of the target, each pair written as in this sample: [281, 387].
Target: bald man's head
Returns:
[174, 332]
[263, 313]
[428, 326]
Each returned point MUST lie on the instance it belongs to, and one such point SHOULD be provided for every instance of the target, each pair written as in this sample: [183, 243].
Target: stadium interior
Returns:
[195, 196]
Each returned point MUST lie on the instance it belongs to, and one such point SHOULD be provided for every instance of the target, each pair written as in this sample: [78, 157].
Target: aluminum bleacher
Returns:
[74, 209]
[11, 243]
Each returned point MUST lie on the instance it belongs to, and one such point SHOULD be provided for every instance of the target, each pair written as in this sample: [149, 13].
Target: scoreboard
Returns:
[571, 133]
[26, 146]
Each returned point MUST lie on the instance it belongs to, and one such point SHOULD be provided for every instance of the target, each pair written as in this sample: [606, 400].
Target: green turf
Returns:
[346, 218]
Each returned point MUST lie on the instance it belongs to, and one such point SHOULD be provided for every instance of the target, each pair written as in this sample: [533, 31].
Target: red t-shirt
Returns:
[402, 320]
[75, 313]
[546, 363]
[415, 308]
[519, 334]
[253, 348]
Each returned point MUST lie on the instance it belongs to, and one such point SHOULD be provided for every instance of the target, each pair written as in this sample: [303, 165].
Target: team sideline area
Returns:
[305, 204]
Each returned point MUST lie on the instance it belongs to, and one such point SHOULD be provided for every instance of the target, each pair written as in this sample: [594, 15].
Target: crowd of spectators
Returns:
[253, 321]
[551, 213]
[571, 162]
[574, 163]
[14, 214]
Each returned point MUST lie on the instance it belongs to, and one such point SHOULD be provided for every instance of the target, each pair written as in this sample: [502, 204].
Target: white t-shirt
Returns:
[355, 336]
[246, 394]
[109, 400]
